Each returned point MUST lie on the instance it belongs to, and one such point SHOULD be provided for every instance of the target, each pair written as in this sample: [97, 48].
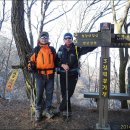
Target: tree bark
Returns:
[17, 20]
[122, 68]
[20, 37]
[123, 56]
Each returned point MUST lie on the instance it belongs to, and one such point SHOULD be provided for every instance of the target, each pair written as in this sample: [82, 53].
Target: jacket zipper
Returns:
[42, 58]
[49, 59]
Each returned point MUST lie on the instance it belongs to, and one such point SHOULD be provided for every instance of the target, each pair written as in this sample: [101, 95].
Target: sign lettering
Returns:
[105, 77]
[103, 39]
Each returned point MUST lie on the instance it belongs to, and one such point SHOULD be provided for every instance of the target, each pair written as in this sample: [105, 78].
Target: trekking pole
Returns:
[67, 93]
[32, 94]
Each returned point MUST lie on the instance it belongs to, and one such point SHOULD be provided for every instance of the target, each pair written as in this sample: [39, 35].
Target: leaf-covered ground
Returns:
[16, 115]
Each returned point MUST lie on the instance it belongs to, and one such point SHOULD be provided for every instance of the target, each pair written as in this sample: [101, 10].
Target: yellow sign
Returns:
[89, 43]
[89, 35]
[12, 79]
[105, 77]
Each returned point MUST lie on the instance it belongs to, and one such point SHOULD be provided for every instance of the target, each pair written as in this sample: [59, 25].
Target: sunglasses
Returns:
[44, 37]
[67, 38]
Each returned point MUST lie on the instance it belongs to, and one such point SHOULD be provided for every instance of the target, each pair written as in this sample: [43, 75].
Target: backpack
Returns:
[43, 58]
[77, 49]
[59, 56]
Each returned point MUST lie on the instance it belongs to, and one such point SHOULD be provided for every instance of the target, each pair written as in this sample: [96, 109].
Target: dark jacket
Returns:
[71, 56]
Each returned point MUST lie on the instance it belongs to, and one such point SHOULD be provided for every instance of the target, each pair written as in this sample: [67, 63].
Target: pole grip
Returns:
[67, 96]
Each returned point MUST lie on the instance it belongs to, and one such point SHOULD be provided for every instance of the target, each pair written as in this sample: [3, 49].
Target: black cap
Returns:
[44, 34]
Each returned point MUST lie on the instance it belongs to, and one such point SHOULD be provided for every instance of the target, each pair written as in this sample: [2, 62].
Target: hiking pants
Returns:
[43, 82]
[72, 80]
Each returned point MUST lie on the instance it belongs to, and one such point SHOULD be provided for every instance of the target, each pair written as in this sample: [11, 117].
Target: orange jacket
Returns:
[44, 58]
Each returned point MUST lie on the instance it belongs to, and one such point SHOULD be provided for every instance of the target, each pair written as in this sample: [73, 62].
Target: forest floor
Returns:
[15, 114]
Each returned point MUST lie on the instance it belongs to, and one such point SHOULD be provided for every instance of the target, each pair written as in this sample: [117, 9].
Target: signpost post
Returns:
[105, 38]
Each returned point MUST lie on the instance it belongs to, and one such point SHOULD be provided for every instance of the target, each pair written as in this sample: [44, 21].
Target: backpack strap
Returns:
[52, 49]
[77, 51]
[36, 51]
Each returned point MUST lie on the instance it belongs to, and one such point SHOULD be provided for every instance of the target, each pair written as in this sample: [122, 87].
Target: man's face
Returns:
[44, 39]
[68, 41]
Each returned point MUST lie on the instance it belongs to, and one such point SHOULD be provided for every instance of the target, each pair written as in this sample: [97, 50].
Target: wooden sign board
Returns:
[87, 39]
[104, 39]
[120, 40]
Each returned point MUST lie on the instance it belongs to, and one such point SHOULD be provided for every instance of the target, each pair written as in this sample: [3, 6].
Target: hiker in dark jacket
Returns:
[67, 59]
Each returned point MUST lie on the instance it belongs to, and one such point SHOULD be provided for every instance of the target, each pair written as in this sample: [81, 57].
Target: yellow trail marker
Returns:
[11, 81]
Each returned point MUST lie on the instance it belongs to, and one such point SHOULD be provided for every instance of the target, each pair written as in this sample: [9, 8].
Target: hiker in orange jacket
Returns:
[42, 62]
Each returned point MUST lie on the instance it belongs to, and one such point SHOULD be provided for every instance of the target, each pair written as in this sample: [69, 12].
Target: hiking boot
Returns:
[56, 112]
[38, 117]
[48, 114]
[52, 109]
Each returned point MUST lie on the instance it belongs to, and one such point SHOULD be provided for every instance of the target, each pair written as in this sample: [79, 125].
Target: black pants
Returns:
[72, 80]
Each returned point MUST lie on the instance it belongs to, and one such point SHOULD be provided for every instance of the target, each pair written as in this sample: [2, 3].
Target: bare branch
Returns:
[29, 7]
[3, 15]
[113, 11]
[53, 10]
[93, 2]
[99, 16]
[61, 14]
[3, 10]
[125, 13]
[32, 3]
[46, 4]
[104, 12]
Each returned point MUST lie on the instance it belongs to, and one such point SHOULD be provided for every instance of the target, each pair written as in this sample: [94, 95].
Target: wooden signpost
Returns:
[105, 39]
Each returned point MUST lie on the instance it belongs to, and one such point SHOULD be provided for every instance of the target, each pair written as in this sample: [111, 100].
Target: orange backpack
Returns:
[44, 57]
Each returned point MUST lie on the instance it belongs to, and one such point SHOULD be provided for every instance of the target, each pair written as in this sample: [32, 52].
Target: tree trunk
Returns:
[123, 57]
[30, 29]
[122, 68]
[20, 37]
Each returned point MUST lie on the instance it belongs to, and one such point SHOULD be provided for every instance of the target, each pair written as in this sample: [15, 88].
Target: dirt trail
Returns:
[16, 115]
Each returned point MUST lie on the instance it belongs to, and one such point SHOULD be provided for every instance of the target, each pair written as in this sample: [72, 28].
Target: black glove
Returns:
[31, 66]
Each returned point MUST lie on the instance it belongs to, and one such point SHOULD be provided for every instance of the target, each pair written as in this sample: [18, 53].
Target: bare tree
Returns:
[7, 63]
[29, 7]
[2, 61]
[87, 19]
[4, 14]
[6, 56]
[20, 37]
[123, 53]
[44, 6]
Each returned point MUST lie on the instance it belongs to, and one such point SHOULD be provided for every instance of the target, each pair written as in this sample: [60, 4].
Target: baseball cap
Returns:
[68, 35]
[46, 34]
